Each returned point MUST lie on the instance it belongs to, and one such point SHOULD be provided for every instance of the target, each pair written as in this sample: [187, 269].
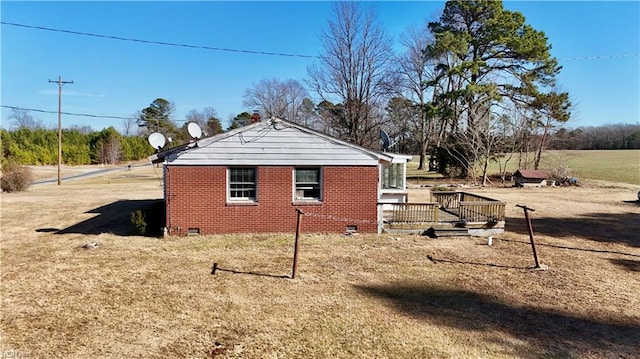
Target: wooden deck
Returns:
[449, 213]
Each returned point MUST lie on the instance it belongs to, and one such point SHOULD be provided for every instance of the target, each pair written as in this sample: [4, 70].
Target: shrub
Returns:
[557, 167]
[15, 177]
[138, 222]
[149, 221]
[155, 217]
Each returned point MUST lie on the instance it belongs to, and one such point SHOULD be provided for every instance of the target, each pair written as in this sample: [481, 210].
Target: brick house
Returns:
[254, 178]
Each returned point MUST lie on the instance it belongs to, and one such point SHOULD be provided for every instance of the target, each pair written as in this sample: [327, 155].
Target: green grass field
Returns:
[604, 165]
[613, 165]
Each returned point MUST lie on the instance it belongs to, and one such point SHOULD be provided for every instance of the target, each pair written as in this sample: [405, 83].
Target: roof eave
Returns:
[161, 156]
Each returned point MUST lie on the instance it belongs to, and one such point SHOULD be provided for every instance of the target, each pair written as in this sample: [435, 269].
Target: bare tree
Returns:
[507, 144]
[195, 116]
[353, 71]
[416, 69]
[209, 113]
[625, 134]
[108, 150]
[276, 98]
[113, 150]
[85, 130]
[23, 119]
[403, 124]
[308, 114]
[207, 119]
[552, 108]
[472, 147]
[130, 124]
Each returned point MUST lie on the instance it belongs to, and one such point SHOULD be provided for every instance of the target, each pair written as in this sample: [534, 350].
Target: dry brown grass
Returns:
[388, 296]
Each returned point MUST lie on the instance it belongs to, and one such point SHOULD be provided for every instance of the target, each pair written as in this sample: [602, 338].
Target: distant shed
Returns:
[529, 178]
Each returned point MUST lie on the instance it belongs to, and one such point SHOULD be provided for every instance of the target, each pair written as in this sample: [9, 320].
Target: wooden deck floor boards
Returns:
[448, 216]
[444, 216]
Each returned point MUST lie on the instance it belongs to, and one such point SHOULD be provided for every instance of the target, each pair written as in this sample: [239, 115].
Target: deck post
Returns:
[436, 220]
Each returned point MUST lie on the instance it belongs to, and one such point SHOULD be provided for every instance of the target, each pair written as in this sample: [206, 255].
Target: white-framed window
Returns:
[242, 184]
[393, 176]
[307, 183]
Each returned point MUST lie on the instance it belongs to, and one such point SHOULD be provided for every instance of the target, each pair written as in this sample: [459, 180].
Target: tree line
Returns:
[621, 136]
[28, 142]
[39, 146]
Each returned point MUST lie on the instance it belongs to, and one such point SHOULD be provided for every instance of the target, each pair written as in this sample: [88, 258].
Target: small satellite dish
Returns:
[156, 140]
[194, 130]
[386, 142]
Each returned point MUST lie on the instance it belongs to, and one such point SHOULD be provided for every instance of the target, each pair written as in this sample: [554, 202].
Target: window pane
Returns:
[399, 180]
[392, 176]
[307, 175]
[307, 183]
[385, 176]
[242, 184]
[246, 175]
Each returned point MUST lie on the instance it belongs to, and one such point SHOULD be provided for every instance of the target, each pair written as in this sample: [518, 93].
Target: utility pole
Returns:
[60, 84]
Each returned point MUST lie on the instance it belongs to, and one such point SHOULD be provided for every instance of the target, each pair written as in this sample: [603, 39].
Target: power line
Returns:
[158, 42]
[68, 113]
[244, 51]
[598, 57]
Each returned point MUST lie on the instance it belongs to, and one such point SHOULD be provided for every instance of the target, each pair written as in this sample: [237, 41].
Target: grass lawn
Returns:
[360, 296]
[615, 165]
[622, 166]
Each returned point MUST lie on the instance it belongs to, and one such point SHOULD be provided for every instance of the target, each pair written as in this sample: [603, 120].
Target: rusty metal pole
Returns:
[297, 244]
[530, 230]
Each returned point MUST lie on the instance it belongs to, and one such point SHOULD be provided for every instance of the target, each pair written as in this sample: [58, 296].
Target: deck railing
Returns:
[447, 199]
[413, 213]
[466, 207]
[482, 211]
[452, 199]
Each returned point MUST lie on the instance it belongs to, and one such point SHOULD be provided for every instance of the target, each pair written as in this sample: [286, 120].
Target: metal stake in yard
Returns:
[296, 245]
[530, 229]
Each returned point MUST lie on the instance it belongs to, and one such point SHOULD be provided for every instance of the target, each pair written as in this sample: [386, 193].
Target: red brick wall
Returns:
[197, 198]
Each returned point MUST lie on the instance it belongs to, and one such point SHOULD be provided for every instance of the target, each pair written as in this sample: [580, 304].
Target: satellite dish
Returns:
[194, 130]
[386, 142]
[156, 140]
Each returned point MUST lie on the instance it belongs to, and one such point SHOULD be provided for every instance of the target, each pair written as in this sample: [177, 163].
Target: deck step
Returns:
[451, 232]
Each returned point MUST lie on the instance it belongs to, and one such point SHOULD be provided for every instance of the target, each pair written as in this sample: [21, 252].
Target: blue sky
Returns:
[597, 44]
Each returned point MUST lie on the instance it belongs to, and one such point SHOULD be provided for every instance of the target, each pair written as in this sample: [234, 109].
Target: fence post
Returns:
[296, 246]
[530, 230]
